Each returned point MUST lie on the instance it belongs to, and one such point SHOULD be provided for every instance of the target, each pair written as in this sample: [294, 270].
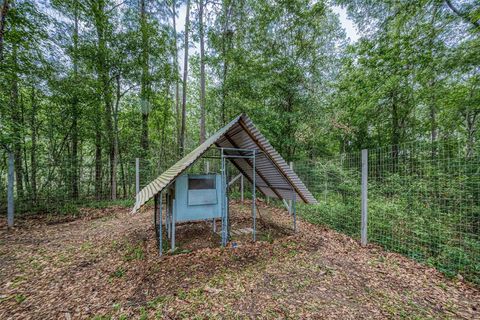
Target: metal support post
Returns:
[160, 244]
[364, 197]
[290, 201]
[224, 199]
[294, 210]
[173, 229]
[254, 200]
[137, 176]
[168, 214]
[241, 188]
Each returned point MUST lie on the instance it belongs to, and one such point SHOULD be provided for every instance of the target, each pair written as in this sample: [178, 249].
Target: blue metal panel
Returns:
[202, 197]
[197, 204]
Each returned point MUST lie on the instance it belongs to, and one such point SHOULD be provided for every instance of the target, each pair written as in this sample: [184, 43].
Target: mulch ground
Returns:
[105, 265]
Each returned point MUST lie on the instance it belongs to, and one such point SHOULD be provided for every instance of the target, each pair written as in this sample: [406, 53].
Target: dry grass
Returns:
[108, 267]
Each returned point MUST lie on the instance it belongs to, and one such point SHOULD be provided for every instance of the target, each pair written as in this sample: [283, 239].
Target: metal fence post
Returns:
[137, 176]
[290, 201]
[364, 196]
[11, 180]
[241, 187]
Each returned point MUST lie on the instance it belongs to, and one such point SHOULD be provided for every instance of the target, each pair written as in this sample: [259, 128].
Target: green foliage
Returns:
[118, 273]
[19, 298]
[419, 209]
[134, 253]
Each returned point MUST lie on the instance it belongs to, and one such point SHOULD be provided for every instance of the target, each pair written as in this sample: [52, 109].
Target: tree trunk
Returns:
[225, 47]
[115, 137]
[202, 75]
[17, 126]
[175, 65]
[185, 75]
[33, 152]
[395, 135]
[470, 124]
[432, 87]
[145, 80]
[3, 18]
[104, 88]
[98, 163]
[74, 164]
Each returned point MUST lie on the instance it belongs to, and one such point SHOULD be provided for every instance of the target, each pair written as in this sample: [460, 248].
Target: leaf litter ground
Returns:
[105, 266]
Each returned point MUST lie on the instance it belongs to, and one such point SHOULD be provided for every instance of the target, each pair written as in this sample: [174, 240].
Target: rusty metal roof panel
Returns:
[272, 172]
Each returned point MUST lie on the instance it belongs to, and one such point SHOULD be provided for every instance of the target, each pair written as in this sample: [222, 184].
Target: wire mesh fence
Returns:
[423, 198]
[62, 188]
[423, 201]
[59, 185]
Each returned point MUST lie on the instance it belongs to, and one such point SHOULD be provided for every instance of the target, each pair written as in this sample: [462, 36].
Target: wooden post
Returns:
[137, 176]
[364, 197]
[11, 181]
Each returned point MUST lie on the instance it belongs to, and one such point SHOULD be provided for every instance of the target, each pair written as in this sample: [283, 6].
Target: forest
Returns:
[88, 86]
[357, 96]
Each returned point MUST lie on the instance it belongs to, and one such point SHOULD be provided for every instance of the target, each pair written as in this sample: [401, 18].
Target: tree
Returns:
[185, 78]
[3, 19]
[145, 81]
[202, 73]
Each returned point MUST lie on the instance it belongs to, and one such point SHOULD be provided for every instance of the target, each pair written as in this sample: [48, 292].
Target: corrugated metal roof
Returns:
[273, 175]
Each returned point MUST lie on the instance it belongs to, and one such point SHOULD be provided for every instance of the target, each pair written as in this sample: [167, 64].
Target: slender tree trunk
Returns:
[175, 65]
[74, 164]
[115, 137]
[33, 152]
[225, 47]
[202, 75]
[395, 135]
[433, 125]
[104, 88]
[122, 169]
[98, 163]
[145, 80]
[185, 76]
[26, 176]
[18, 125]
[432, 86]
[3, 18]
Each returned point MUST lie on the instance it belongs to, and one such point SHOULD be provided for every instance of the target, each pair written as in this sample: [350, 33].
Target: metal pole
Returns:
[173, 228]
[11, 181]
[241, 188]
[290, 201]
[364, 197]
[294, 210]
[254, 207]
[224, 213]
[137, 175]
[160, 244]
[155, 207]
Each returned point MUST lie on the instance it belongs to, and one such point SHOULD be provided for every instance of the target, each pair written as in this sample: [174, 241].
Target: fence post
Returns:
[290, 203]
[364, 229]
[241, 187]
[11, 180]
[137, 176]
